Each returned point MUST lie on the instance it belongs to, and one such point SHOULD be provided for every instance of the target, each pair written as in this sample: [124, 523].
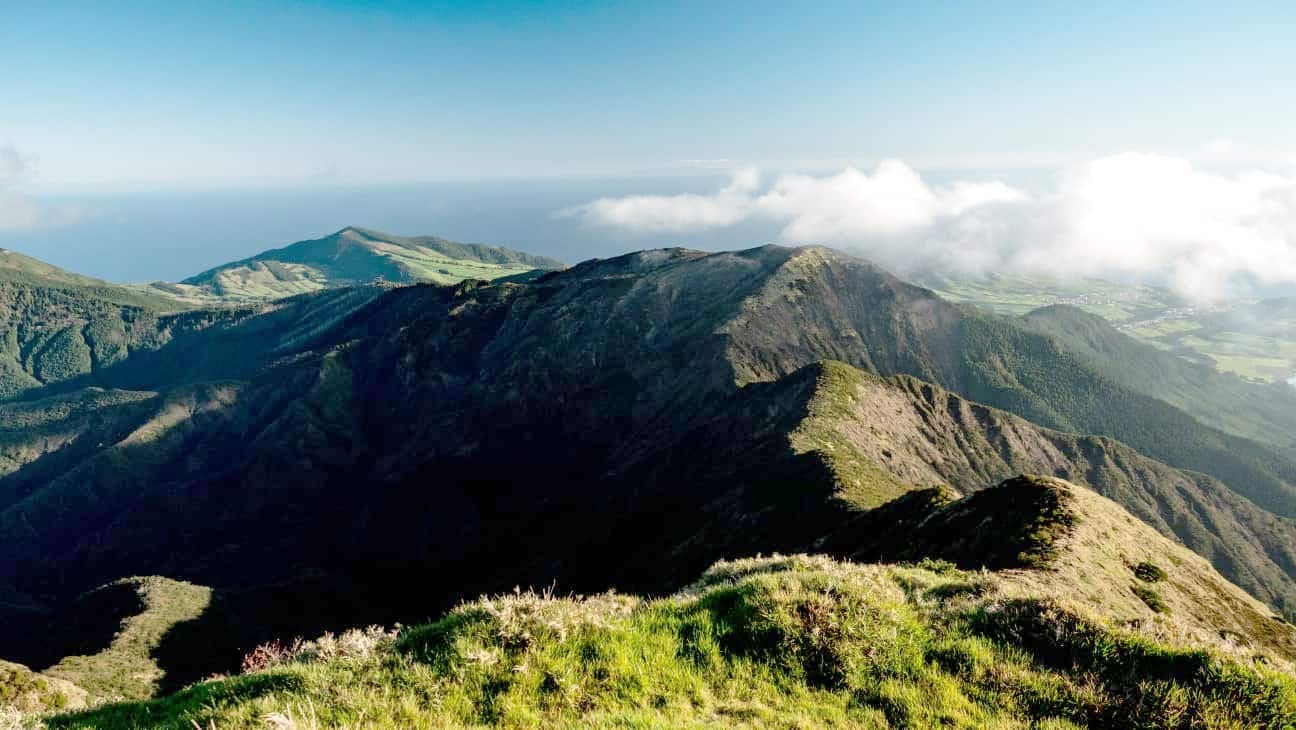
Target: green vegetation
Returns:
[796, 641]
[1263, 414]
[355, 256]
[22, 688]
[1149, 572]
[1254, 341]
[55, 325]
[143, 610]
[1151, 598]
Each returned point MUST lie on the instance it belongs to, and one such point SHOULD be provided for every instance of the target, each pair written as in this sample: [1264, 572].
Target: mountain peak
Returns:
[355, 255]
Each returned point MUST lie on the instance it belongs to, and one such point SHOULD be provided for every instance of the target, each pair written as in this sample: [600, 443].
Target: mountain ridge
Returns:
[808, 639]
[357, 255]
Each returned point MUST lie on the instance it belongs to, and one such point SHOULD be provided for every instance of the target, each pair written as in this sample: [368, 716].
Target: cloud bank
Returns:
[1154, 217]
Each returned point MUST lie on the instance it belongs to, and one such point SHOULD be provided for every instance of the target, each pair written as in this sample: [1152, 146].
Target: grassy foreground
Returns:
[771, 642]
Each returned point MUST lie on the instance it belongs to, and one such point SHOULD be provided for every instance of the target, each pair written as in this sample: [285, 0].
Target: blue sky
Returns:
[1151, 140]
[158, 94]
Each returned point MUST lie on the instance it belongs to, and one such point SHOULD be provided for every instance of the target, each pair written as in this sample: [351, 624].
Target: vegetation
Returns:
[1149, 572]
[123, 624]
[1151, 598]
[1254, 341]
[1240, 407]
[356, 256]
[28, 691]
[795, 641]
[624, 422]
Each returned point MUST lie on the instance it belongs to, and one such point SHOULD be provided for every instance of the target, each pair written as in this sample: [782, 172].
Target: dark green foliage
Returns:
[1262, 414]
[1150, 597]
[1016, 524]
[50, 334]
[1149, 572]
[1039, 378]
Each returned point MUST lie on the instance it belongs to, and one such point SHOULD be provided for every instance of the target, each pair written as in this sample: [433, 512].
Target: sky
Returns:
[1149, 139]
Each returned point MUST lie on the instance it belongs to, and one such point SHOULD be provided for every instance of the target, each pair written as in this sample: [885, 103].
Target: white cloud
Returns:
[675, 213]
[19, 212]
[1139, 214]
[841, 207]
[1204, 231]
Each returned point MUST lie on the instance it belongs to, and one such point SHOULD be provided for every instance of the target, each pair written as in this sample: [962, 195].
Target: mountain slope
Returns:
[56, 326]
[1263, 414]
[358, 256]
[622, 423]
[919, 434]
[15, 268]
[809, 641]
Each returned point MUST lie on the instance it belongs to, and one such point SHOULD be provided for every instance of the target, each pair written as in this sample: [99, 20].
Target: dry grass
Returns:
[1093, 573]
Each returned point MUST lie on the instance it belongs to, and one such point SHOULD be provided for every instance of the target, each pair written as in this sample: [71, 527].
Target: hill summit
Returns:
[359, 255]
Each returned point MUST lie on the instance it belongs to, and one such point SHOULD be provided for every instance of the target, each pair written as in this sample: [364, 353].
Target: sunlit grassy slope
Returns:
[354, 256]
[801, 641]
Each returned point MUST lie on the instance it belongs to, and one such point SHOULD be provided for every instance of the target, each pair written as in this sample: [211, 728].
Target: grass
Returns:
[1151, 598]
[783, 641]
[127, 667]
[861, 483]
[29, 692]
[354, 256]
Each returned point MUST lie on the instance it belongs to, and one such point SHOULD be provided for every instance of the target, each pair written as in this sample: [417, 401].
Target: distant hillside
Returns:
[357, 256]
[1089, 619]
[24, 271]
[56, 325]
[1263, 414]
[1256, 341]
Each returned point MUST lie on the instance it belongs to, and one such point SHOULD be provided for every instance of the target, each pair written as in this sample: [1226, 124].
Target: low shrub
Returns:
[1149, 572]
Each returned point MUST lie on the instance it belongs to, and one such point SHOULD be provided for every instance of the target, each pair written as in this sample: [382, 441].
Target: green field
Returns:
[1256, 340]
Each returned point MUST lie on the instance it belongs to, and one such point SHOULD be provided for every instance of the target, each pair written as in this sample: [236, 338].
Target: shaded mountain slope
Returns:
[807, 640]
[55, 325]
[356, 256]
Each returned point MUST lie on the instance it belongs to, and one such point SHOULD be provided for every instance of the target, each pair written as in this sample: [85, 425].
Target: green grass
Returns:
[784, 642]
[354, 256]
[127, 667]
[1151, 598]
[1153, 316]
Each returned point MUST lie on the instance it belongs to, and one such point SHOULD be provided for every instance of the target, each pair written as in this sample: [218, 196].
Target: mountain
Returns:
[17, 269]
[1253, 340]
[1263, 414]
[1088, 619]
[55, 325]
[623, 423]
[357, 256]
